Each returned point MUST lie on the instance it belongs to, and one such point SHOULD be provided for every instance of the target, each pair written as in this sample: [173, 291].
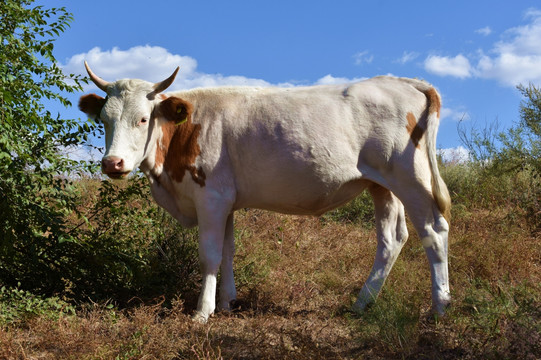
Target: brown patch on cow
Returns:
[91, 104]
[434, 102]
[412, 122]
[415, 130]
[178, 148]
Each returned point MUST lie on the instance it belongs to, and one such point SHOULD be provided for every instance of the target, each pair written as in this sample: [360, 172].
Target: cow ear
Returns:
[176, 109]
[91, 105]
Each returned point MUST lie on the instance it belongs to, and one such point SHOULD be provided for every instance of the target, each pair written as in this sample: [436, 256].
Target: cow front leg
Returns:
[211, 242]
[228, 292]
[392, 234]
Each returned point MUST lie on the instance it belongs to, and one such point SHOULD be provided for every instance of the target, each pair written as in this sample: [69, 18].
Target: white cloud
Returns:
[329, 80]
[523, 40]
[455, 155]
[458, 66]
[363, 57]
[407, 56]
[517, 57]
[514, 59]
[484, 31]
[154, 63]
[511, 69]
[454, 114]
[151, 63]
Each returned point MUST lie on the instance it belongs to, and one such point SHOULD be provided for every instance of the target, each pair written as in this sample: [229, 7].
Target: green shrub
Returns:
[463, 181]
[358, 211]
[18, 306]
[509, 162]
[129, 247]
[502, 320]
[56, 235]
[35, 178]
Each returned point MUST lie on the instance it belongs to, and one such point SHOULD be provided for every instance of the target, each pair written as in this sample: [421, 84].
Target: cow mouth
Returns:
[118, 174]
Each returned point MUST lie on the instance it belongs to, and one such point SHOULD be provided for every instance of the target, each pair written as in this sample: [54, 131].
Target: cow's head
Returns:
[130, 114]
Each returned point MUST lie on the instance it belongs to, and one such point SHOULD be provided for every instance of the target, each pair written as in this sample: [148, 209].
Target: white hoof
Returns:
[441, 303]
[200, 318]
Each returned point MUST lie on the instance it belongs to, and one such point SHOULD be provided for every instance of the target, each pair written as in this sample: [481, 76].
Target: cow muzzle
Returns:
[113, 167]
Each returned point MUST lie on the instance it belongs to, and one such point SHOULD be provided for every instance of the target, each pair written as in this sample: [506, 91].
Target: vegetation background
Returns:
[91, 269]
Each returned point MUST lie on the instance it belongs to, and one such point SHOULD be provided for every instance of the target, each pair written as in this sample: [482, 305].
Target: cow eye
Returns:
[143, 121]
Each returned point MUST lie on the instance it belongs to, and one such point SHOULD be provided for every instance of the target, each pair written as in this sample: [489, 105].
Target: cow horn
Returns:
[102, 84]
[161, 86]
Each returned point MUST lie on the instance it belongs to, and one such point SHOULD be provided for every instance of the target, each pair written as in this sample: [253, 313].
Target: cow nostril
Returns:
[119, 165]
[112, 164]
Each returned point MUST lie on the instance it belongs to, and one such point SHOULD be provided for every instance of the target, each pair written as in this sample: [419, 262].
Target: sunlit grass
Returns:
[296, 278]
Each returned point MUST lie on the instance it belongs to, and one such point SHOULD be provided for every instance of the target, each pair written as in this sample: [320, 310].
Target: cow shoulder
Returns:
[178, 147]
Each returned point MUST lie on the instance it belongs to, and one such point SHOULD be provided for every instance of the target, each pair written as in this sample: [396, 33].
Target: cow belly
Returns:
[304, 199]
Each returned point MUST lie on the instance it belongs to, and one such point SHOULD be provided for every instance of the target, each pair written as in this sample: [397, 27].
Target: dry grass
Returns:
[296, 277]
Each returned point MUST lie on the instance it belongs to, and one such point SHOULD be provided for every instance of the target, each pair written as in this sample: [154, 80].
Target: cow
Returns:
[304, 150]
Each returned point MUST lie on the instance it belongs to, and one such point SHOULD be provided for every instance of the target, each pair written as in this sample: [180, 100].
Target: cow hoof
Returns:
[439, 310]
[357, 308]
[199, 318]
[361, 306]
[441, 303]
[229, 306]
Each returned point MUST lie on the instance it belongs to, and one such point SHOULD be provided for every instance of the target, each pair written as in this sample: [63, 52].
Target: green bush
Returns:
[56, 235]
[503, 319]
[19, 306]
[463, 181]
[509, 163]
[35, 180]
[127, 246]
[358, 211]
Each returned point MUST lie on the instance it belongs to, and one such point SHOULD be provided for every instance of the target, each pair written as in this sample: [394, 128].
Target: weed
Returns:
[294, 300]
[251, 265]
[359, 211]
[391, 324]
[204, 350]
[502, 320]
[17, 307]
[132, 349]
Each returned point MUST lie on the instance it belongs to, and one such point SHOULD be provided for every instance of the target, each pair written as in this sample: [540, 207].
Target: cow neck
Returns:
[177, 150]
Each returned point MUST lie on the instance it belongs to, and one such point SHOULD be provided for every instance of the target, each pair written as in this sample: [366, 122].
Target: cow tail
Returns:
[439, 189]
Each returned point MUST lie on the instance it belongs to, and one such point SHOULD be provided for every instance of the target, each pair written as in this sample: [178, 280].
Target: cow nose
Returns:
[112, 164]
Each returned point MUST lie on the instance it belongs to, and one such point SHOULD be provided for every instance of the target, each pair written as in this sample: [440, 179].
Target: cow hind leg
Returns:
[433, 231]
[392, 234]
[434, 238]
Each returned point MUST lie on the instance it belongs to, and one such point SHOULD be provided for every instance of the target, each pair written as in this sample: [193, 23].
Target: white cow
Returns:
[303, 150]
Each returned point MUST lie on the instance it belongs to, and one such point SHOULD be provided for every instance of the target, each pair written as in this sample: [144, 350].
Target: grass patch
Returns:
[392, 323]
[358, 211]
[295, 278]
[501, 320]
[18, 307]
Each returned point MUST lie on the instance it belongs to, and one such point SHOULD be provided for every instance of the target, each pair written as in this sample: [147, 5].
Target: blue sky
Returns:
[475, 52]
